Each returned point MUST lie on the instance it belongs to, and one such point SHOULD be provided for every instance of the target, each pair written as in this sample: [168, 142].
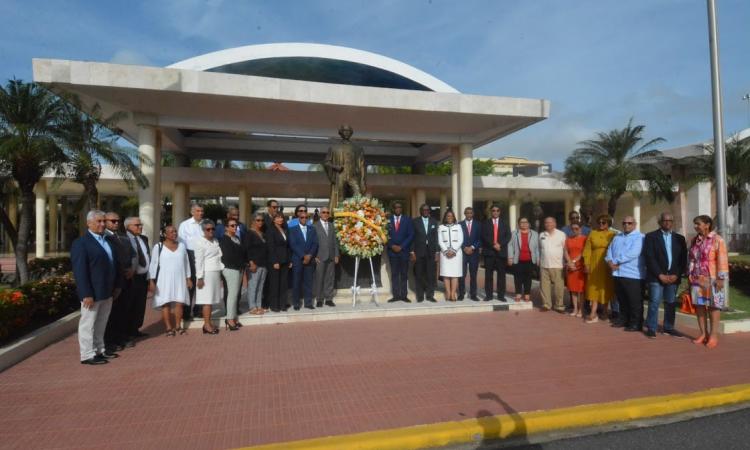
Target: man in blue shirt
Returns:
[665, 253]
[625, 259]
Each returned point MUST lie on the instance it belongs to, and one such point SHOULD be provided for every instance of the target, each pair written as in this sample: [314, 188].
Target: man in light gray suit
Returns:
[327, 258]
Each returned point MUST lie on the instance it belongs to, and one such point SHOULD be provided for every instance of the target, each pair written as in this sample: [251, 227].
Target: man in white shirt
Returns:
[552, 249]
[188, 231]
[139, 286]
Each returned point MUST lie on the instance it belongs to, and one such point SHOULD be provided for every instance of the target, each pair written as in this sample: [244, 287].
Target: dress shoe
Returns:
[502, 299]
[140, 334]
[651, 334]
[318, 304]
[432, 299]
[488, 298]
[420, 300]
[94, 361]
[115, 348]
[392, 300]
[211, 331]
[475, 298]
[460, 297]
[297, 308]
[543, 309]
[406, 300]
[309, 307]
[618, 324]
[129, 343]
[107, 355]
[673, 333]
[632, 329]
[330, 303]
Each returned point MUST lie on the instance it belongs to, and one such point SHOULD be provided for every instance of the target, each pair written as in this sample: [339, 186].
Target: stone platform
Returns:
[368, 310]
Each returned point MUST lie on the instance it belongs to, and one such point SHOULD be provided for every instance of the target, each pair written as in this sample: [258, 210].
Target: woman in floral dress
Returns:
[707, 273]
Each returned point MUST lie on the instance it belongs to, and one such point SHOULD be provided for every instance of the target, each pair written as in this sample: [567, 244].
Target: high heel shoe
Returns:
[230, 327]
[211, 331]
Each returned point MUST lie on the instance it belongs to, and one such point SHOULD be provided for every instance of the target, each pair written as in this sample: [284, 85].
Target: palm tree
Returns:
[90, 141]
[29, 115]
[619, 157]
[737, 153]
[587, 177]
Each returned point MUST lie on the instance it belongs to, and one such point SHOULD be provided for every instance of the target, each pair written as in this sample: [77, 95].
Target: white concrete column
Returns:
[179, 203]
[53, 223]
[444, 206]
[149, 199]
[420, 198]
[244, 206]
[455, 198]
[637, 211]
[577, 202]
[466, 176]
[513, 209]
[41, 218]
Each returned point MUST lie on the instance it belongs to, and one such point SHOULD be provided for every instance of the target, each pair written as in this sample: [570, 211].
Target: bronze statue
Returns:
[345, 167]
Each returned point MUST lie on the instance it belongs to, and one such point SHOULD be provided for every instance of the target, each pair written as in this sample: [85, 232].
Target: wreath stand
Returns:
[355, 286]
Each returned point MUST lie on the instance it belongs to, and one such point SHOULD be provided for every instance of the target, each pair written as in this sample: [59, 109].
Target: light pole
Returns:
[719, 158]
[747, 99]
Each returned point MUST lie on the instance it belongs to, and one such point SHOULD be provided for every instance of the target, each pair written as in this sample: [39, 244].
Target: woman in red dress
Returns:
[575, 277]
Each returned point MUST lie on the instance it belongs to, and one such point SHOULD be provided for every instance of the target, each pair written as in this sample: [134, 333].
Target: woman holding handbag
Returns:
[707, 272]
[170, 274]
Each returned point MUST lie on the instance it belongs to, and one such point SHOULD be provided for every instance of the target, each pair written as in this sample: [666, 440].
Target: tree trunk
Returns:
[612, 205]
[24, 232]
[92, 195]
[10, 230]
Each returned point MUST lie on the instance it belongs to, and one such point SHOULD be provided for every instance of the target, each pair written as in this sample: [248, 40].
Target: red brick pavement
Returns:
[279, 383]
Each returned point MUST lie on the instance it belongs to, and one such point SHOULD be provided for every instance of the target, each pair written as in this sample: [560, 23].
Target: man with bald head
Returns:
[626, 260]
[665, 253]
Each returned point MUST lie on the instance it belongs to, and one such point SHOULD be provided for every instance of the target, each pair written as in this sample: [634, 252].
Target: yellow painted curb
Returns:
[523, 424]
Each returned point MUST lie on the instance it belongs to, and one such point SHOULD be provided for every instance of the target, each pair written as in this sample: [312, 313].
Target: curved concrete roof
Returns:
[221, 58]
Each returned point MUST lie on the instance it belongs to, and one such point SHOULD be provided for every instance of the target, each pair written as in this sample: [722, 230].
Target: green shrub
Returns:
[52, 296]
[15, 311]
[40, 268]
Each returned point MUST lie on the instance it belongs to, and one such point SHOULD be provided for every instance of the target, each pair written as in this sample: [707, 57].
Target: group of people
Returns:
[602, 269]
[200, 267]
[111, 270]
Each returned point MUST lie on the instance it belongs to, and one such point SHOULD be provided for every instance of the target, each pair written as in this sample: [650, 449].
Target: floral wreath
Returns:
[361, 227]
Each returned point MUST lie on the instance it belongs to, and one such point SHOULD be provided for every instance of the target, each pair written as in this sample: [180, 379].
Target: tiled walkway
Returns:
[285, 382]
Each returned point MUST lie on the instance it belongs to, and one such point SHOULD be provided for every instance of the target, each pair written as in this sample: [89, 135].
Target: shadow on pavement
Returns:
[492, 426]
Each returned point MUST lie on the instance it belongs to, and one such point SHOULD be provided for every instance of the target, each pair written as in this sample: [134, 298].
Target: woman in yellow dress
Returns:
[600, 286]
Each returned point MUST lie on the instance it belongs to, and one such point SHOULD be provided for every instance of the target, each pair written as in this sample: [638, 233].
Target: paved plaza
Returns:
[278, 383]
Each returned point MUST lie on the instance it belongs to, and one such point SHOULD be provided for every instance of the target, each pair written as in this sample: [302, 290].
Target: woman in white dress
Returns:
[170, 274]
[450, 239]
[208, 267]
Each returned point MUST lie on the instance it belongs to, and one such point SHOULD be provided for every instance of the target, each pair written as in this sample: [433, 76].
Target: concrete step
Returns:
[368, 310]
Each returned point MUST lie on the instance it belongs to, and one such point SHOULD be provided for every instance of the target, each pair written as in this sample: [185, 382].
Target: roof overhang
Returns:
[244, 116]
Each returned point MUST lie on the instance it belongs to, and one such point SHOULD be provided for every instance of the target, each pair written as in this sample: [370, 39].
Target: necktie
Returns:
[494, 232]
[468, 227]
[325, 227]
[398, 219]
[141, 258]
[426, 222]
[304, 232]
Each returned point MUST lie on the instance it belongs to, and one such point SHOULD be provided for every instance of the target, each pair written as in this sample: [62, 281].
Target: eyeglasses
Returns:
[628, 223]
[603, 222]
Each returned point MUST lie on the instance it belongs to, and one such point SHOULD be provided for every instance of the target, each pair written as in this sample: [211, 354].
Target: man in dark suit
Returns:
[495, 238]
[139, 244]
[472, 243]
[424, 254]
[116, 333]
[665, 253]
[303, 242]
[95, 272]
[327, 258]
[272, 207]
[400, 237]
[233, 213]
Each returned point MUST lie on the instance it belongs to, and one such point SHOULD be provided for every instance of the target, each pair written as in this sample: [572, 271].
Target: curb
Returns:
[523, 424]
[38, 339]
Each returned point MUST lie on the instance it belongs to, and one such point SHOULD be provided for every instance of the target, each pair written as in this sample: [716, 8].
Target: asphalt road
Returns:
[725, 431]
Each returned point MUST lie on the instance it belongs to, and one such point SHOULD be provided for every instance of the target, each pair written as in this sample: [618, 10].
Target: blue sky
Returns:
[600, 62]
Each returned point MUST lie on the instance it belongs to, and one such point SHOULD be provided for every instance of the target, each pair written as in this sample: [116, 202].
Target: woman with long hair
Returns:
[233, 256]
[450, 239]
[257, 255]
[279, 260]
[708, 271]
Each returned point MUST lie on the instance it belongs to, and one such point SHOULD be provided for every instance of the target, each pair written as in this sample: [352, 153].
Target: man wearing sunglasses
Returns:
[326, 259]
[116, 333]
[625, 259]
[495, 239]
[139, 286]
[298, 211]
